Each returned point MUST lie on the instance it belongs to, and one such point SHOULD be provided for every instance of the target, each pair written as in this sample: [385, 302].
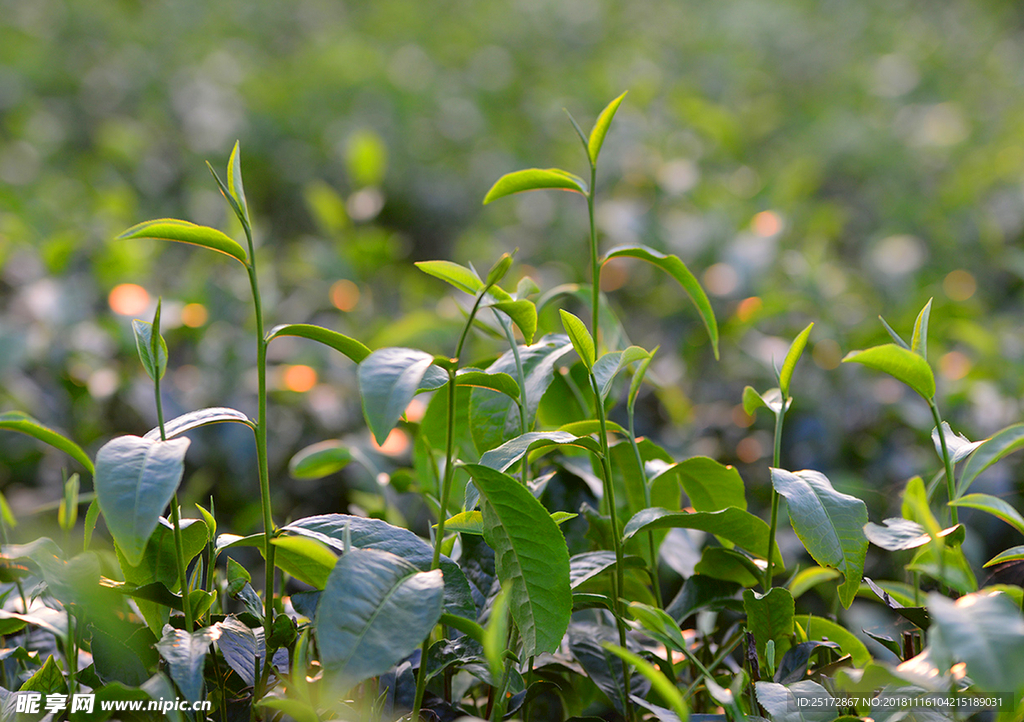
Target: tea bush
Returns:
[570, 568]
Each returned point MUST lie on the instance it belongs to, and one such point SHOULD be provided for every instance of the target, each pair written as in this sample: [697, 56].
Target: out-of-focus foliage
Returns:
[811, 161]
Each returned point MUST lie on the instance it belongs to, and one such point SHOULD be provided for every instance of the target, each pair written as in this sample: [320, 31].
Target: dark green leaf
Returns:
[992, 505]
[665, 687]
[184, 654]
[900, 363]
[736, 525]
[388, 380]
[533, 179]
[770, 617]
[804, 701]
[600, 129]
[48, 679]
[678, 270]
[339, 342]
[495, 417]
[500, 382]
[608, 366]
[319, 460]
[17, 421]
[504, 456]
[531, 557]
[830, 524]
[155, 367]
[820, 629]
[796, 349]
[793, 666]
[194, 419]
[464, 279]
[586, 566]
[710, 485]
[170, 229]
[605, 669]
[135, 480]
[702, 592]
[376, 609]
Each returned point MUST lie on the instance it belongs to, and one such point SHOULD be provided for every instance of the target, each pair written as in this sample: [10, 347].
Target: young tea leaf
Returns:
[533, 179]
[144, 341]
[897, 339]
[661, 684]
[900, 363]
[25, 424]
[523, 314]
[581, 339]
[339, 342]
[919, 341]
[992, 450]
[792, 356]
[319, 460]
[169, 229]
[235, 187]
[678, 270]
[464, 279]
[600, 129]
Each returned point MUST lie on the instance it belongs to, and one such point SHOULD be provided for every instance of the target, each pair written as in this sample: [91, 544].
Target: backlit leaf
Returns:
[1002, 443]
[994, 506]
[194, 419]
[170, 229]
[464, 279]
[355, 350]
[796, 349]
[919, 341]
[18, 421]
[900, 363]
[388, 380]
[736, 525]
[600, 129]
[319, 460]
[581, 339]
[533, 179]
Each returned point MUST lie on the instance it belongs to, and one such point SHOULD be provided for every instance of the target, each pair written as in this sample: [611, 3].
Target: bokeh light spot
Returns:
[194, 315]
[749, 450]
[954, 365]
[614, 275]
[128, 299]
[749, 308]
[740, 417]
[344, 295]
[827, 354]
[299, 378]
[396, 444]
[721, 279]
[959, 285]
[766, 224]
[415, 410]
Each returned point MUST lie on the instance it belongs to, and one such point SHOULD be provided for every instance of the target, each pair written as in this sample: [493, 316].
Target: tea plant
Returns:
[497, 611]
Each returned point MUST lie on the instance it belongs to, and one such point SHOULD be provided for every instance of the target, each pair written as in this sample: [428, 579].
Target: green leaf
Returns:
[658, 625]
[319, 460]
[736, 525]
[1007, 555]
[772, 399]
[504, 456]
[135, 480]
[810, 578]
[900, 534]
[500, 382]
[947, 565]
[915, 507]
[919, 341]
[584, 567]
[704, 592]
[897, 339]
[310, 557]
[235, 187]
[678, 270]
[496, 634]
[170, 229]
[581, 339]
[388, 380]
[531, 557]
[144, 343]
[600, 129]
[194, 419]
[606, 670]
[830, 524]
[494, 416]
[339, 342]
[7, 515]
[638, 378]
[1001, 444]
[985, 632]
[18, 421]
[67, 512]
[185, 654]
[661, 684]
[730, 565]
[804, 701]
[900, 363]
[796, 349]
[375, 610]
[709, 485]
[464, 279]
[48, 679]
[499, 269]
[533, 179]
[608, 366]
[958, 445]
[364, 533]
[466, 522]
[994, 506]
[818, 629]
[770, 617]
[523, 313]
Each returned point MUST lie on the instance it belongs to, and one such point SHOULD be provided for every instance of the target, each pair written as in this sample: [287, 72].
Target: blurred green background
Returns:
[810, 161]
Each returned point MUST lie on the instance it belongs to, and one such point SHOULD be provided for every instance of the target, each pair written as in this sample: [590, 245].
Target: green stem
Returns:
[595, 265]
[618, 579]
[647, 503]
[946, 459]
[179, 547]
[521, 380]
[773, 525]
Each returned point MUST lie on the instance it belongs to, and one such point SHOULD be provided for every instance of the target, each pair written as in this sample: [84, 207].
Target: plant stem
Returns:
[647, 503]
[776, 461]
[950, 480]
[595, 265]
[618, 579]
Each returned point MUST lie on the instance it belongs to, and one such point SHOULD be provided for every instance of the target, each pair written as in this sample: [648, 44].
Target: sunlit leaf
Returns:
[709, 484]
[809, 578]
[319, 460]
[155, 367]
[464, 279]
[600, 129]
[194, 419]
[919, 341]
[170, 229]
[581, 339]
[500, 382]
[958, 445]
[796, 349]
[355, 350]
[992, 505]
[817, 628]
[523, 314]
[17, 421]
[388, 380]
[661, 684]
[609, 365]
[678, 270]
[992, 450]
[900, 363]
[899, 534]
[533, 179]
[736, 525]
